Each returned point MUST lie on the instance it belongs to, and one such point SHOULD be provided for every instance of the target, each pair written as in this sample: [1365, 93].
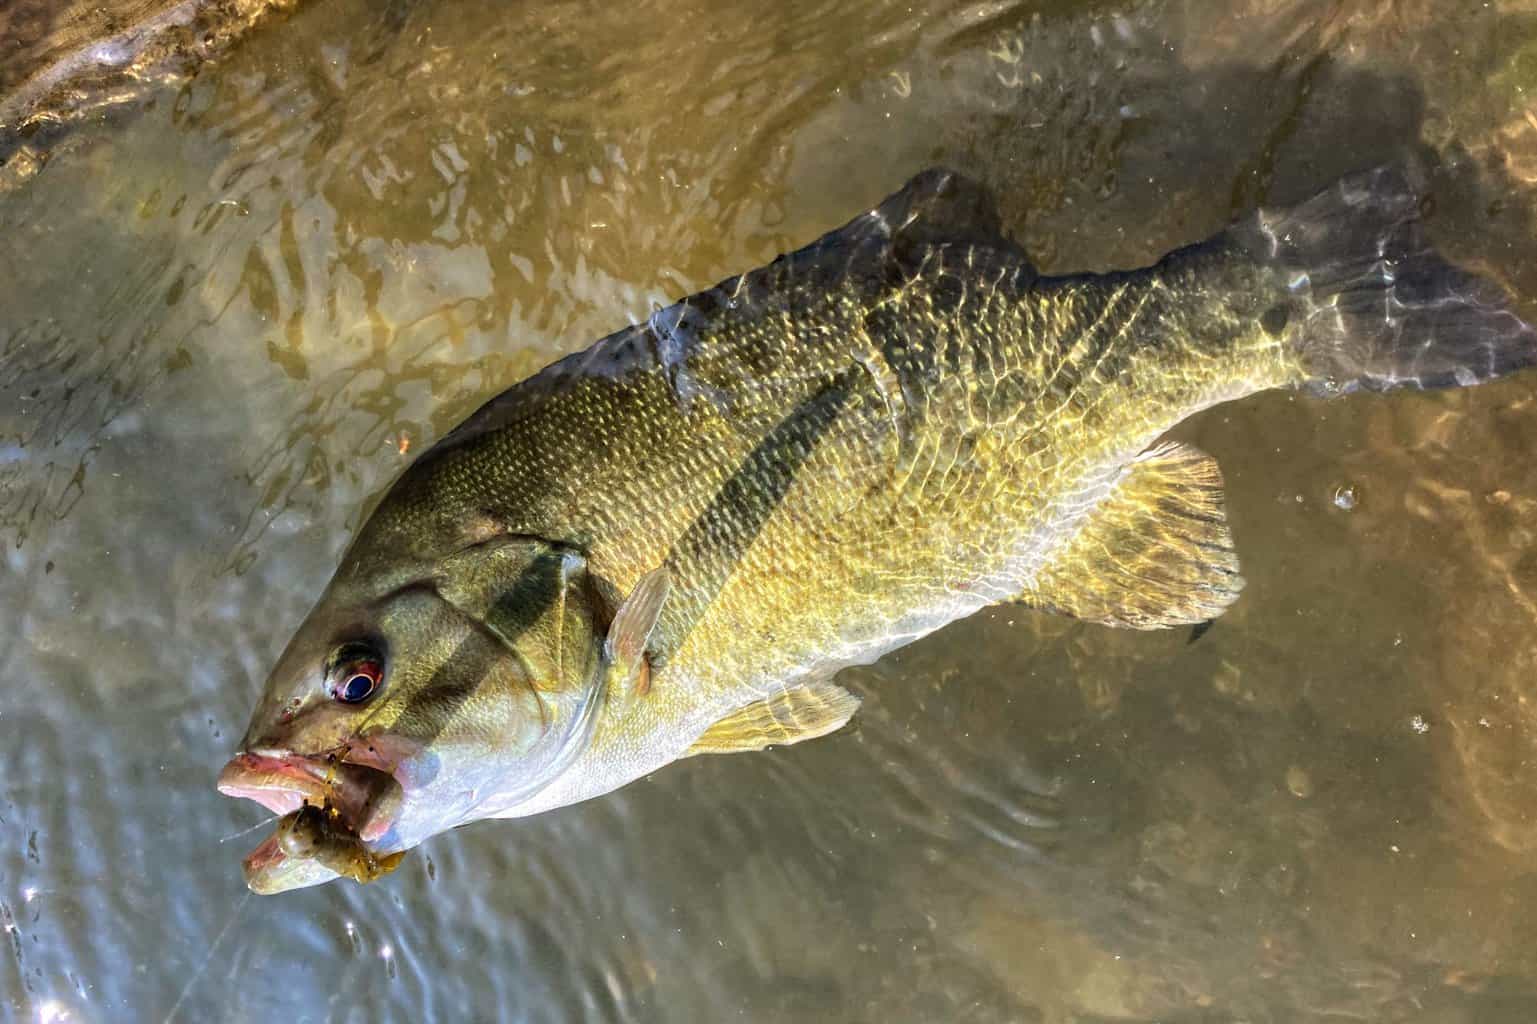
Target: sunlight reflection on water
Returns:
[232, 316]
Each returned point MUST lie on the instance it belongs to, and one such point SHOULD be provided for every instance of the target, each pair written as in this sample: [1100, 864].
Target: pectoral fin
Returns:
[800, 713]
[1157, 552]
[625, 647]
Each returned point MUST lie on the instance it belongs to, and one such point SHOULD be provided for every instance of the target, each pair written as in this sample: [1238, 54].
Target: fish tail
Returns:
[1369, 304]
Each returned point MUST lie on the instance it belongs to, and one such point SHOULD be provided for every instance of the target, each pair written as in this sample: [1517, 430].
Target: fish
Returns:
[668, 544]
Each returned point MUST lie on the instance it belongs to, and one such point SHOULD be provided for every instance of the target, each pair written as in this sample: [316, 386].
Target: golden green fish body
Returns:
[838, 453]
[841, 452]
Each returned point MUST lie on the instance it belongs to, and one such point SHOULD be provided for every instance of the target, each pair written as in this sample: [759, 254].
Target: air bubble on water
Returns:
[1345, 497]
[1419, 725]
[1299, 782]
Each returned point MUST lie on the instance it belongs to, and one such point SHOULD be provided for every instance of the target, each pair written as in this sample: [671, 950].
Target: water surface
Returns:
[233, 311]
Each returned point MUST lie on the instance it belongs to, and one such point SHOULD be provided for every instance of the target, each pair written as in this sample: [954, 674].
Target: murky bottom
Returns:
[231, 315]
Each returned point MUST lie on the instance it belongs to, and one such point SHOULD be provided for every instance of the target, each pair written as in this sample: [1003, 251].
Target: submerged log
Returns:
[61, 60]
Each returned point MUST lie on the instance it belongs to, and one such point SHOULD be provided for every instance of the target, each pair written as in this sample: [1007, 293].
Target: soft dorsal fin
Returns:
[1157, 552]
[628, 634]
[799, 713]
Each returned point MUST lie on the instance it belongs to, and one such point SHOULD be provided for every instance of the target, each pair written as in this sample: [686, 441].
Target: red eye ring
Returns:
[356, 681]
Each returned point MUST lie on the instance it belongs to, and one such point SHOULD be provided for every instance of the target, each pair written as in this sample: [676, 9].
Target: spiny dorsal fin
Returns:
[1157, 552]
[799, 713]
[936, 207]
[625, 647]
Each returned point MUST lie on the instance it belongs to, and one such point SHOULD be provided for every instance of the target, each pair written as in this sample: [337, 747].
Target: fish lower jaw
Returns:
[269, 871]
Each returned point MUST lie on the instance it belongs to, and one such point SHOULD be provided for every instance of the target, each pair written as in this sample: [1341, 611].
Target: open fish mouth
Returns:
[362, 799]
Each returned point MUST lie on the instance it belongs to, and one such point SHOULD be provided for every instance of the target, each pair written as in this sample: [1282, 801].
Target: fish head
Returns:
[408, 706]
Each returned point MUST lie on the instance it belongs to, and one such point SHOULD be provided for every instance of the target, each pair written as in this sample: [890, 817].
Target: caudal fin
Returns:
[1371, 304]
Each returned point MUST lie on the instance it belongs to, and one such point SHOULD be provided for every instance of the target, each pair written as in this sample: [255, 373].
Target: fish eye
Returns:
[357, 672]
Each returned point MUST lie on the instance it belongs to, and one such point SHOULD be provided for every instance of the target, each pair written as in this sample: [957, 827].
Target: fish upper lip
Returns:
[283, 781]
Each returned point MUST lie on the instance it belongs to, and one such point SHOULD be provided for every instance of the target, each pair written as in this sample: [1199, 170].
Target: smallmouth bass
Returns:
[669, 543]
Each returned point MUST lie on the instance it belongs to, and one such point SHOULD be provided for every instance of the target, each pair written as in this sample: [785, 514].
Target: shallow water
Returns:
[233, 311]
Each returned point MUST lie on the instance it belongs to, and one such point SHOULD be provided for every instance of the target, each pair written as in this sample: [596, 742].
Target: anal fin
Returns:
[1157, 552]
[799, 713]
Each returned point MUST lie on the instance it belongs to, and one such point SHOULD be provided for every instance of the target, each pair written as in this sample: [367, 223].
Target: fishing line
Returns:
[207, 957]
[245, 831]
